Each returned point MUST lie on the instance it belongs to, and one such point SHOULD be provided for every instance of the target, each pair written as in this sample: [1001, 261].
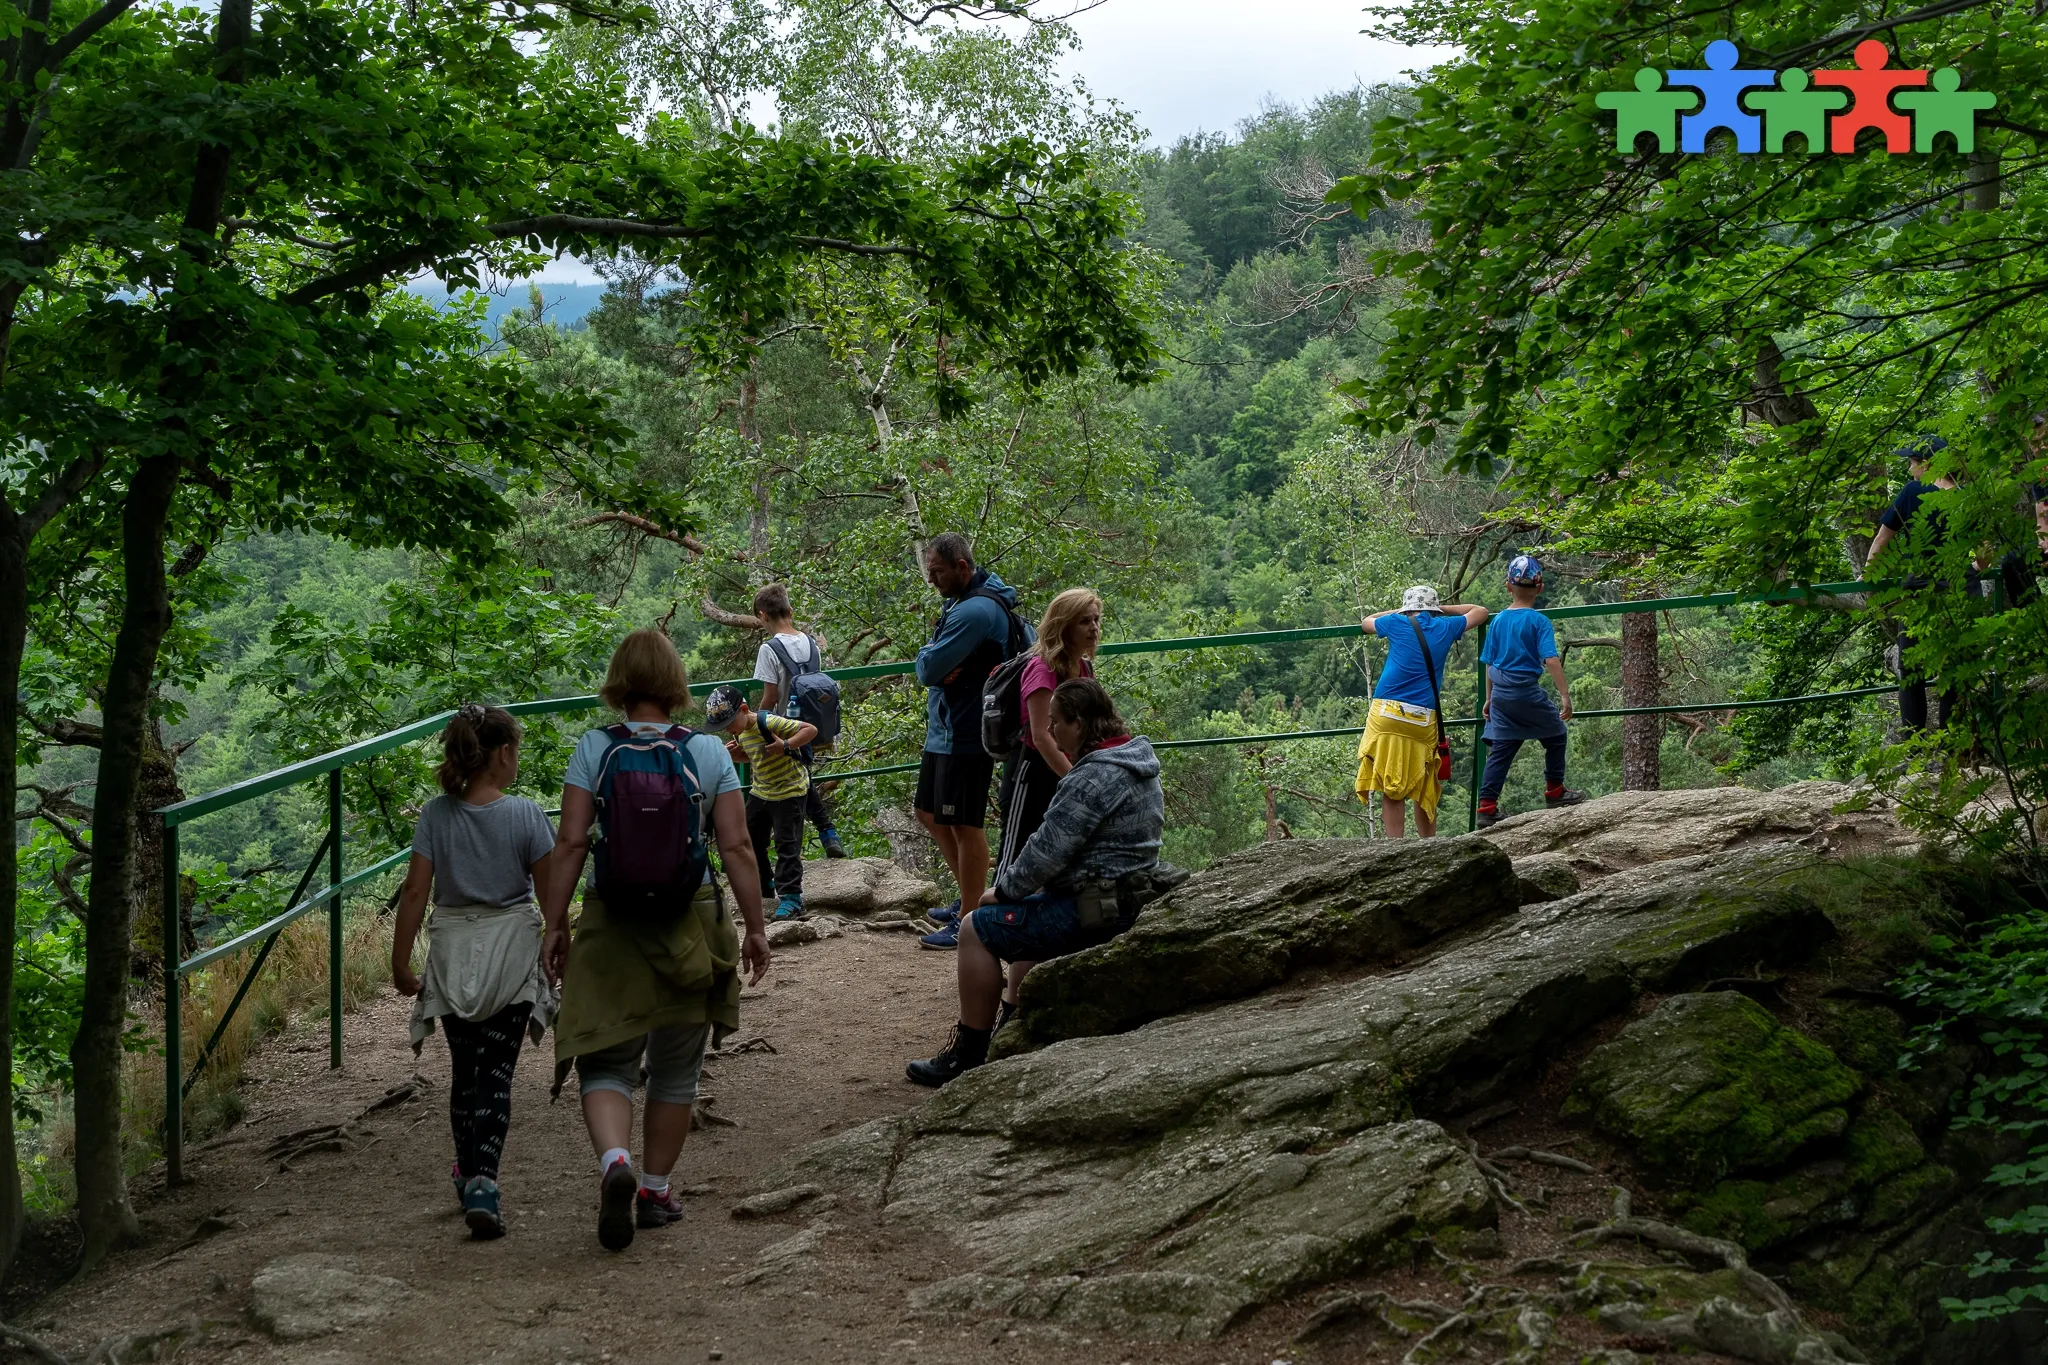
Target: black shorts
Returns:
[953, 788]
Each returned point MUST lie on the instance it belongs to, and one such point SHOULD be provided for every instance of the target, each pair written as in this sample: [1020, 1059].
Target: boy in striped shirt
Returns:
[768, 745]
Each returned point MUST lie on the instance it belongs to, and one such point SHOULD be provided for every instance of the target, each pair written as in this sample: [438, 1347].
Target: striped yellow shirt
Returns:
[777, 776]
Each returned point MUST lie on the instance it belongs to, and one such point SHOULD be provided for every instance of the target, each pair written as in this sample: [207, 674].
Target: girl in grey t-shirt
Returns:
[478, 852]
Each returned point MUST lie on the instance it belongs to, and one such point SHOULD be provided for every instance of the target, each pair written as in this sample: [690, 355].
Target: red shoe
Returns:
[653, 1210]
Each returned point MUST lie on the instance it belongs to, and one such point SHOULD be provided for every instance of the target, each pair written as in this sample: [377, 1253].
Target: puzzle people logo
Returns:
[1764, 108]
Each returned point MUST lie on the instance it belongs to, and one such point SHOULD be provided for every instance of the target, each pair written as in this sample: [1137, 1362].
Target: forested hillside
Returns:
[1227, 496]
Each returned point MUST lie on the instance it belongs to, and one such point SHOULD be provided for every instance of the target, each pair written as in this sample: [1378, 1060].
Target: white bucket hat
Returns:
[1421, 597]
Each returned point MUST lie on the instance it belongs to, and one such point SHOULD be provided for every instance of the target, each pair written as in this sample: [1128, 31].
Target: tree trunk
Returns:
[105, 1218]
[159, 787]
[1641, 685]
[13, 634]
[759, 570]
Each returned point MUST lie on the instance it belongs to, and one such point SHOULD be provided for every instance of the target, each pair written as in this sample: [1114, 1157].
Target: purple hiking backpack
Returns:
[651, 854]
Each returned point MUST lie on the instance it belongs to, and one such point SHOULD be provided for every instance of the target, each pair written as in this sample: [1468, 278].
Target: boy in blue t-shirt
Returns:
[1520, 648]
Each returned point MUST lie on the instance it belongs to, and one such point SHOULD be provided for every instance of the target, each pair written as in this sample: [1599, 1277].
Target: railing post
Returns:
[334, 920]
[174, 1022]
[1478, 744]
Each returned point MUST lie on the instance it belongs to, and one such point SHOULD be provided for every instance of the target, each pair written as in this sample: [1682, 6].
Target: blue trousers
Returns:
[1501, 752]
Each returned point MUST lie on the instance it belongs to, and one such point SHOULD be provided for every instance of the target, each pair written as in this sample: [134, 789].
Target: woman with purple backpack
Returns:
[653, 975]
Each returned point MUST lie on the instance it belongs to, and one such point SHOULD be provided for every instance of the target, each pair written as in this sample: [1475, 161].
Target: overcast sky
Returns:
[1189, 66]
[1186, 66]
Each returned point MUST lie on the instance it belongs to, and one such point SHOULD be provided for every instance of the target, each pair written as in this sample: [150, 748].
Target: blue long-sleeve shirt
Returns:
[971, 637]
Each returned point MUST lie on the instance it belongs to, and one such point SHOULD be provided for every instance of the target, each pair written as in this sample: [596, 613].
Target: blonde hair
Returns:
[1069, 607]
[645, 668]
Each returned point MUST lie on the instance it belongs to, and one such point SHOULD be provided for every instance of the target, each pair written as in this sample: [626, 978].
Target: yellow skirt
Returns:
[1397, 755]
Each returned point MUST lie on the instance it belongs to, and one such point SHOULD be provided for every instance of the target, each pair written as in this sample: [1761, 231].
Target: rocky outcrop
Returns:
[1265, 1086]
[1260, 917]
[1634, 829]
[859, 887]
[1204, 1164]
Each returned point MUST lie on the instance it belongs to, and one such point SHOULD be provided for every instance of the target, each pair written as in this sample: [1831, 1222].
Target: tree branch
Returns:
[714, 612]
[91, 24]
[646, 527]
[61, 491]
[64, 730]
[1844, 37]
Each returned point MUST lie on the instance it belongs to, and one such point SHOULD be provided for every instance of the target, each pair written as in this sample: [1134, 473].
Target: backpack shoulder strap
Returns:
[1429, 667]
[1013, 624]
[789, 664]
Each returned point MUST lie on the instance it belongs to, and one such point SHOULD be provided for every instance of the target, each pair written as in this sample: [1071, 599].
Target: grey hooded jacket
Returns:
[1105, 819]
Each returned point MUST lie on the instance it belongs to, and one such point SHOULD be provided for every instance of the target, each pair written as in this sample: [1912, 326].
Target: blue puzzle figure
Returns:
[1721, 85]
[1649, 108]
[1947, 108]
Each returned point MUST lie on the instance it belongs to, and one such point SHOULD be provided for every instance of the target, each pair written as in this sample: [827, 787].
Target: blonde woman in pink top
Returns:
[1067, 638]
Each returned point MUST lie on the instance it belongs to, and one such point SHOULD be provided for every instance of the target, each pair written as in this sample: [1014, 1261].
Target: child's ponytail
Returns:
[472, 739]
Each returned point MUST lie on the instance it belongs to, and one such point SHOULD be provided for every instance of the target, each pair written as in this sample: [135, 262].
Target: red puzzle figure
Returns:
[1872, 85]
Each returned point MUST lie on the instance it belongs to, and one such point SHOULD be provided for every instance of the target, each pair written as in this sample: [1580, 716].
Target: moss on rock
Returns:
[1708, 1086]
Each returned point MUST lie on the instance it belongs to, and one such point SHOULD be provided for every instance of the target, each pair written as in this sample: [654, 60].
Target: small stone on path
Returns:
[314, 1294]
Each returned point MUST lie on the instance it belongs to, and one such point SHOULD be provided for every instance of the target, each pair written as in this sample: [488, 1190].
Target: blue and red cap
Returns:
[1524, 570]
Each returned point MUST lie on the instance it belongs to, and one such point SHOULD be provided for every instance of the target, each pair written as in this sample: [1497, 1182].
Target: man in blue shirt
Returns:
[1398, 755]
[1520, 648]
[974, 634]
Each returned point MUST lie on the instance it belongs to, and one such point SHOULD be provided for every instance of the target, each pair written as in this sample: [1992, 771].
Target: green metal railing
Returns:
[331, 897]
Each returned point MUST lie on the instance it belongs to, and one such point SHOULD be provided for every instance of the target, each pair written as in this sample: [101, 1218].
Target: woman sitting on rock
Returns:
[1059, 894]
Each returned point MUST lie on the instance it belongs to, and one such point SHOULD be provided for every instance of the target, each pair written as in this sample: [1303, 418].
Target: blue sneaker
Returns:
[948, 937]
[790, 907]
[945, 914]
[480, 1209]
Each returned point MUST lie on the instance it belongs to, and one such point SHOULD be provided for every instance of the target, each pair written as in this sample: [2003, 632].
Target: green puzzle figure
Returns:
[1945, 109]
[1647, 109]
[1792, 108]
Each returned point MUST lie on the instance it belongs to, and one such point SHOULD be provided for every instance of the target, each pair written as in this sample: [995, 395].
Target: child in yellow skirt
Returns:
[1397, 754]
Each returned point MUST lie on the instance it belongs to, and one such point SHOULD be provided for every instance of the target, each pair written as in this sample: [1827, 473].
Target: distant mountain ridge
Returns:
[566, 304]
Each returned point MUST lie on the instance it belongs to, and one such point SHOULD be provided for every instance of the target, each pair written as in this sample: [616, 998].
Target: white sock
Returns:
[604, 1163]
[654, 1184]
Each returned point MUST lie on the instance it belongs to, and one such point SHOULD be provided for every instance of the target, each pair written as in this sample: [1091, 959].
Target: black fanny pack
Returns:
[1111, 903]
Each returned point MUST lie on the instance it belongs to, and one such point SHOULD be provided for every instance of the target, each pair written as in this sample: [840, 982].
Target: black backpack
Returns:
[1002, 708]
[813, 694]
[651, 852]
[967, 697]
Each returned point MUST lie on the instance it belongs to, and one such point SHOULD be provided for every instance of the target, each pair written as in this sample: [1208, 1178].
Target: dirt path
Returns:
[843, 1016]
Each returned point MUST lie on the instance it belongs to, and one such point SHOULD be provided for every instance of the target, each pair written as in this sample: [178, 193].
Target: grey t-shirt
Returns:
[482, 854]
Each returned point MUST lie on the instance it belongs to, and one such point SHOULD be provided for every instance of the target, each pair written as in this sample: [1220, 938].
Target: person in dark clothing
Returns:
[1921, 530]
[971, 639]
[1105, 823]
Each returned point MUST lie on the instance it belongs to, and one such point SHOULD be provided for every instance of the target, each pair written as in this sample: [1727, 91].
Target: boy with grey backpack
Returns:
[790, 666]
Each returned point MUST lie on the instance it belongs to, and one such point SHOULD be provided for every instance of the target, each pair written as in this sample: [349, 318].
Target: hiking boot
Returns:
[616, 1195]
[945, 914]
[833, 848]
[945, 940]
[1568, 797]
[790, 907]
[480, 1209]
[965, 1050]
[657, 1210]
[1486, 819]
